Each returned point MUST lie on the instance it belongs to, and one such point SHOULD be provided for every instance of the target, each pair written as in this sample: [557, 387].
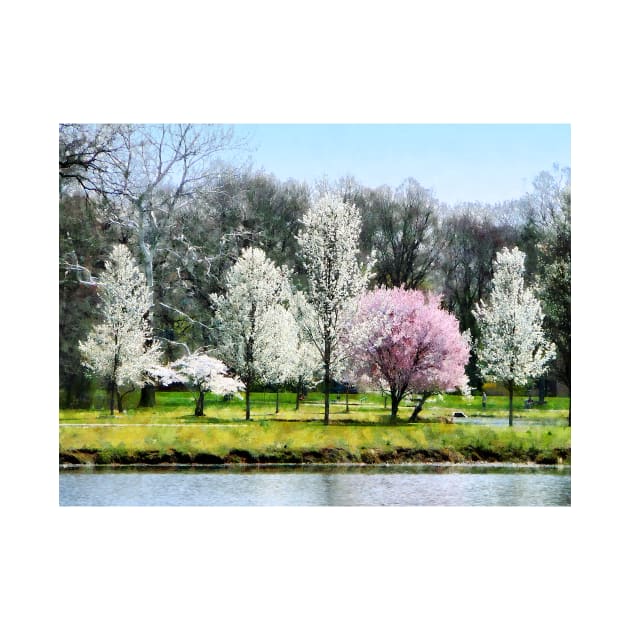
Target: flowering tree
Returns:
[329, 246]
[554, 286]
[120, 349]
[253, 337]
[307, 365]
[275, 347]
[403, 340]
[201, 373]
[144, 178]
[512, 346]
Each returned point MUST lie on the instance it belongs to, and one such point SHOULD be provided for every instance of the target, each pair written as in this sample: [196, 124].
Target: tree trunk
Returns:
[326, 382]
[119, 400]
[112, 394]
[298, 391]
[418, 408]
[542, 387]
[247, 414]
[347, 404]
[277, 399]
[510, 388]
[147, 396]
[395, 403]
[327, 395]
[199, 404]
[114, 384]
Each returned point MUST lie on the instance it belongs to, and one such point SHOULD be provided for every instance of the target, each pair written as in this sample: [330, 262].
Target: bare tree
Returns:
[401, 228]
[86, 153]
[153, 177]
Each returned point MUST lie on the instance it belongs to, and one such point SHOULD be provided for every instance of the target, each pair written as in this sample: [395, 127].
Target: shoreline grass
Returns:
[170, 434]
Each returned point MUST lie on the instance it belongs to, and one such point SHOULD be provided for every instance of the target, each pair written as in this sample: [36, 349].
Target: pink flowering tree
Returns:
[403, 340]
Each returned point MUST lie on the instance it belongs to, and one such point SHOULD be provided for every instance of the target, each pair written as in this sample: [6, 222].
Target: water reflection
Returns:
[318, 486]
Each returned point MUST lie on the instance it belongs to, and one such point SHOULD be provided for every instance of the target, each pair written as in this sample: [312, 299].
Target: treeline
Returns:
[180, 199]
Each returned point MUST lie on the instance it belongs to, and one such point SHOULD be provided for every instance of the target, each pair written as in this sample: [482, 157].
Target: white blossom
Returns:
[512, 346]
[329, 249]
[164, 374]
[257, 335]
[200, 372]
[308, 361]
[120, 348]
[275, 345]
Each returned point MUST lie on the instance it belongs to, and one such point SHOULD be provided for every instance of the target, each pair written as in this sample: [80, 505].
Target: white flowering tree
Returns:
[329, 248]
[275, 348]
[512, 346]
[307, 369]
[120, 349]
[251, 330]
[201, 373]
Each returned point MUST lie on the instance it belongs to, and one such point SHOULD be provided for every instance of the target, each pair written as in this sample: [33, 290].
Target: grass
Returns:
[178, 407]
[297, 442]
[362, 435]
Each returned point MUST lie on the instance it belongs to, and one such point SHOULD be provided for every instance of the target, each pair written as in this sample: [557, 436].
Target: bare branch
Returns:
[186, 316]
[83, 274]
[175, 343]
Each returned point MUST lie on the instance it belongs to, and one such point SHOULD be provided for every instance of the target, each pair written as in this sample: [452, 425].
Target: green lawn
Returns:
[364, 434]
[178, 407]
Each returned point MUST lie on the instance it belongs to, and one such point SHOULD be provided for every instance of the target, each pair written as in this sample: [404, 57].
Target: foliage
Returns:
[307, 368]
[329, 248]
[470, 239]
[256, 335]
[554, 284]
[120, 348]
[81, 238]
[201, 373]
[186, 208]
[512, 347]
[401, 227]
[406, 340]
[276, 344]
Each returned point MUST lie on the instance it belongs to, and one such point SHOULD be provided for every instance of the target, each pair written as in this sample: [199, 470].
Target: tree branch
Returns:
[186, 316]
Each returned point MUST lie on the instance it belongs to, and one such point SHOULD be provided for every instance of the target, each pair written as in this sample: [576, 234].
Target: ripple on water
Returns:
[333, 485]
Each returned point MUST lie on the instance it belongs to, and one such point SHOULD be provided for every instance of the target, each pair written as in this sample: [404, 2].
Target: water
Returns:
[411, 485]
[520, 422]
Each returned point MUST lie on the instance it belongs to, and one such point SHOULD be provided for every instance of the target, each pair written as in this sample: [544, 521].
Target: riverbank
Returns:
[88, 457]
[170, 434]
[311, 443]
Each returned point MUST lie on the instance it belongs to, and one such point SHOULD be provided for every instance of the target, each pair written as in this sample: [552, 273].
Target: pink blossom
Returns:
[404, 340]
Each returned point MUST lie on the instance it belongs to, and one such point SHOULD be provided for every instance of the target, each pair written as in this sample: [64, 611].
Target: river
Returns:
[321, 485]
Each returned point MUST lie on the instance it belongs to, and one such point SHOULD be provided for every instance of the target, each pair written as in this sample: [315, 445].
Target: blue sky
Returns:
[459, 162]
